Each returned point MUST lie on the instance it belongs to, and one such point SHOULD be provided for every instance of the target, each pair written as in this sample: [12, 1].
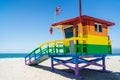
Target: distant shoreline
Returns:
[21, 55]
[12, 55]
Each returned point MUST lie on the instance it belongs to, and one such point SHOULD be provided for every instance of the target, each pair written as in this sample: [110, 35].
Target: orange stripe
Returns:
[91, 31]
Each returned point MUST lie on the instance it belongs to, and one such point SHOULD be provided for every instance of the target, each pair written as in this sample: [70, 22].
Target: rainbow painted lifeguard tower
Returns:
[86, 41]
[89, 37]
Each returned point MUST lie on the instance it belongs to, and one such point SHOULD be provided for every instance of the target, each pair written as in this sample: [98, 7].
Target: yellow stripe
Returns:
[95, 36]
[100, 40]
[87, 39]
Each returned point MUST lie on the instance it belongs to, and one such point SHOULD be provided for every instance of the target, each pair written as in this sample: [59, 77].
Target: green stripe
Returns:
[92, 49]
[81, 49]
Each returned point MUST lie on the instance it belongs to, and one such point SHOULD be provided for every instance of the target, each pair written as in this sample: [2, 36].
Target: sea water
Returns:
[13, 55]
[22, 55]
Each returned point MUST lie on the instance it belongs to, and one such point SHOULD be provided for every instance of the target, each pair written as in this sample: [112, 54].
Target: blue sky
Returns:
[24, 24]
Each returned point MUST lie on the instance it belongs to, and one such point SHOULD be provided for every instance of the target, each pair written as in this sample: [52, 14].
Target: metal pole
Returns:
[80, 8]
[80, 20]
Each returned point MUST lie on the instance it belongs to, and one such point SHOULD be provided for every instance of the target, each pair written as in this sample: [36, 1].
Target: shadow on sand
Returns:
[86, 73]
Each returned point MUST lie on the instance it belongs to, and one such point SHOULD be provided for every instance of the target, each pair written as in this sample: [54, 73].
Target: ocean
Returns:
[13, 55]
[22, 55]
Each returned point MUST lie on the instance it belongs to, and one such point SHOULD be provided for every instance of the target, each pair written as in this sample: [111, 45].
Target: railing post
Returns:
[48, 48]
[55, 47]
[34, 55]
[58, 48]
[81, 46]
[64, 47]
[40, 51]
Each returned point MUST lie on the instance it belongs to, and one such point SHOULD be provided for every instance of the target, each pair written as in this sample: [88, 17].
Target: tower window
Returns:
[98, 27]
[68, 32]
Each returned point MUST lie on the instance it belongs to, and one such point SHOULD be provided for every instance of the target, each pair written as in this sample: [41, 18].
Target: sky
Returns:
[24, 24]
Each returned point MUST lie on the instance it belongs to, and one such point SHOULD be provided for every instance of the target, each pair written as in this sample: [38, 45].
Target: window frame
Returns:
[98, 27]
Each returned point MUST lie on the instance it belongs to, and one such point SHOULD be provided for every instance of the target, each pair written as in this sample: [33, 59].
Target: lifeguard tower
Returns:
[86, 41]
[89, 37]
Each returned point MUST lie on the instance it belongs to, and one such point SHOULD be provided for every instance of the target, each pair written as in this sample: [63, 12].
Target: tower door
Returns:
[71, 47]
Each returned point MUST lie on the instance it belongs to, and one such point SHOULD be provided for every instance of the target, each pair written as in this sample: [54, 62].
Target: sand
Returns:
[15, 69]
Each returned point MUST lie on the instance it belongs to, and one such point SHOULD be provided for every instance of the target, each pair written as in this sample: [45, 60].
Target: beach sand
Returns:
[15, 69]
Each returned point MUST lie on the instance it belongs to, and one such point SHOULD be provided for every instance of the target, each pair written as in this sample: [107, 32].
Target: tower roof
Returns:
[76, 20]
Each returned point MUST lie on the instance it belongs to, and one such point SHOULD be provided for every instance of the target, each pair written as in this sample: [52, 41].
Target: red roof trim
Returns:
[76, 20]
[69, 21]
[98, 20]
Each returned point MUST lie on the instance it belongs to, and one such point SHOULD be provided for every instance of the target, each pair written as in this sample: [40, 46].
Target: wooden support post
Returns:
[103, 63]
[52, 64]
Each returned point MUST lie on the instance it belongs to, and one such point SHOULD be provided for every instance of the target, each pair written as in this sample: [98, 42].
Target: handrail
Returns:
[55, 47]
[64, 40]
[54, 42]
